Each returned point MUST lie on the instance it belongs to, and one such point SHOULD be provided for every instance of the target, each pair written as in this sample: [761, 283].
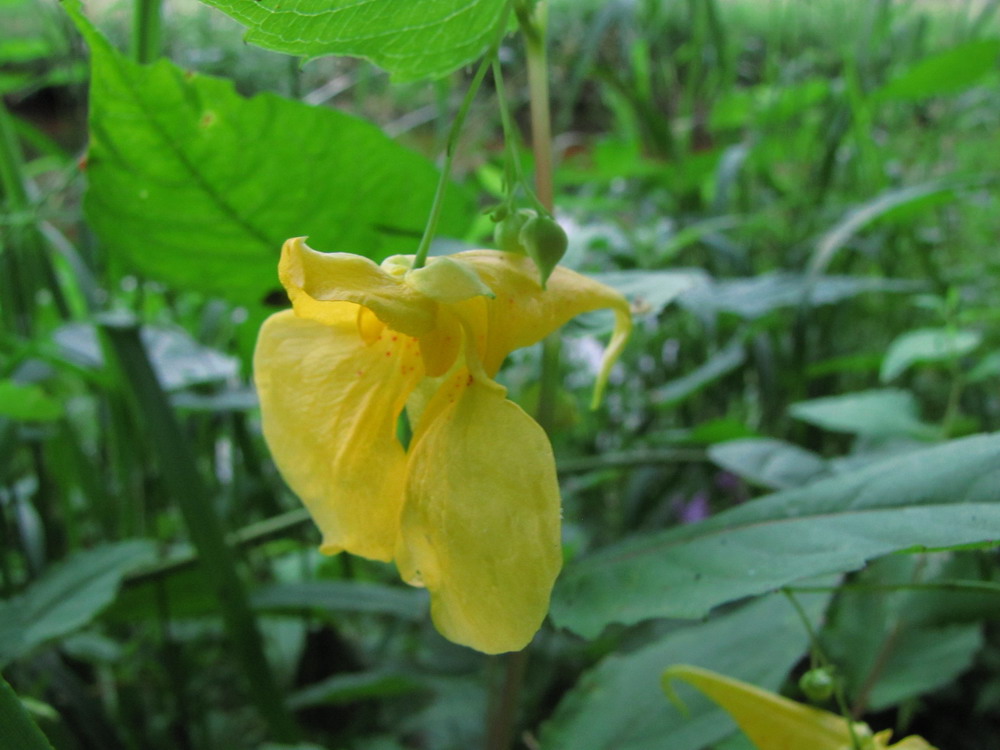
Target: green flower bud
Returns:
[818, 684]
[507, 232]
[545, 242]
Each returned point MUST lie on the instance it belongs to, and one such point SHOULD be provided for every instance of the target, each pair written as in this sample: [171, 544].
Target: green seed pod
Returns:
[545, 242]
[818, 684]
[507, 232]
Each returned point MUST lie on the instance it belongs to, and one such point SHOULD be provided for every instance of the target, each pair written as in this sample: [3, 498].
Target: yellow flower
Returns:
[773, 722]
[471, 509]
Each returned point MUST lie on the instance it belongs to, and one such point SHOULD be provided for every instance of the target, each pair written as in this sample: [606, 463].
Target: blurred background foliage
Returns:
[800, 200]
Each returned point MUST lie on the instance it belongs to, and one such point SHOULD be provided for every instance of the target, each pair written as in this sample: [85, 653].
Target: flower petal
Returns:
[771, 721]
[330, 404]
[523, 313]
[315, 279]
[481, 522]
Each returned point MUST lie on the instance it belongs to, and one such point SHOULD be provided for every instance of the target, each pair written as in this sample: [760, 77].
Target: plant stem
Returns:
[504, 704]
[514, 173]
[449, 152]
[533, 28]
[146, 24]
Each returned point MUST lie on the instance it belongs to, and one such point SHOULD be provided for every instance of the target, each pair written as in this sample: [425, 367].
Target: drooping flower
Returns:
[470, 509]
[773, 722]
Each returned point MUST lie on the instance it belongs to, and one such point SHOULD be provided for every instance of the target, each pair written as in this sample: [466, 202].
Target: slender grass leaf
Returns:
[193, 184]
[617, 706]
[27, 403]
[768, 462]
[885, 412]
[68, 596]
[187, 489]
[720, 364]
[342, 596]
[355, 686]
[755, 297]
[945, 495]
[17, 730]
[859, 217]
[926, 345]
[945, 73]
[411, 40]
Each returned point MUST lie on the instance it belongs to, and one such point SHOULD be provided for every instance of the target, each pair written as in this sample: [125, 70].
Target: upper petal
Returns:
[313, 280]
[329, 406]
[480, 526]
[523, 313]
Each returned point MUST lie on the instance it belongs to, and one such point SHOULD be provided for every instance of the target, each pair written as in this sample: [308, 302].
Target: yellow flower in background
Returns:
[471, 508]
[773, 722]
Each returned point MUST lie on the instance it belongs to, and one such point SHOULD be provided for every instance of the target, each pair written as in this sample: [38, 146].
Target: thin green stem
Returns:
[146, 23]
[504, 704]
[817, 650]
[533, 28]
[451, 147]
[514, 171]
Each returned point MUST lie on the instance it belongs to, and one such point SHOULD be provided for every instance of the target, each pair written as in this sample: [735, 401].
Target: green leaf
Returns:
[926, 345]
[896, 645]
[987, 367]
[348, 688]
[409, 39]
[342, 596]
[17, 730]
[880, 413]
[945, 73]
[769, 462]
[184, 485]
[720, 364]
[617, 705]
[945, 495]
[193, 184]
[755, 297]
[27, 403]
[837, 237]
[68, 596]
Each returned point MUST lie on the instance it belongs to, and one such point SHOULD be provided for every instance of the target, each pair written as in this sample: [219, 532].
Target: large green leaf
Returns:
[618, 705]
[937, 497]
[196, 185]
[67, 596]
[409, 39]
[946, 72]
